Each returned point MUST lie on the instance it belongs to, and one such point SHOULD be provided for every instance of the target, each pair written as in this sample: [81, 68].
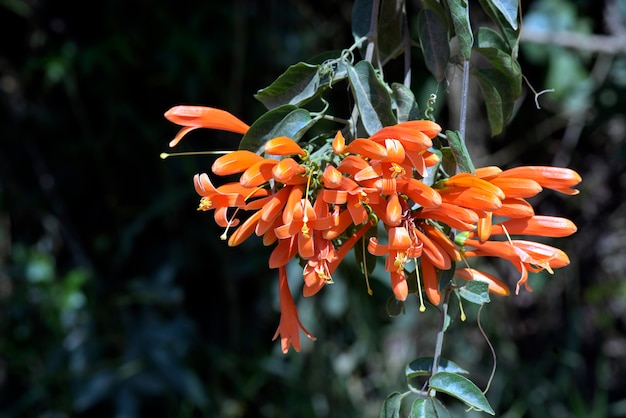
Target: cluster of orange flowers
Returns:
[318, 203]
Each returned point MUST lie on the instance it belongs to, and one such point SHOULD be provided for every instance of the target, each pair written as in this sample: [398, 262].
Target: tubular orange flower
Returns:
[540, 226]
[194, 117]
[555, 178]
[235, 162]
[430, 278]
[290, 325]
[283, 145]
[288, 171]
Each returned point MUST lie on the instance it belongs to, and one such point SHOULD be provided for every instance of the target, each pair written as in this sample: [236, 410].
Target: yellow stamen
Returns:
[367, 279]
[397, 170]
[400, 261]
[463, 317]
[205, 204]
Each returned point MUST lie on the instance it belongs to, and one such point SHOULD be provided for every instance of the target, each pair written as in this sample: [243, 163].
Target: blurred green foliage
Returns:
[118, 299]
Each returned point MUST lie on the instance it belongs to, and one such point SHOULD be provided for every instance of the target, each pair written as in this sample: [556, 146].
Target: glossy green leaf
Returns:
[462, 389]
[371, 96]
[433, 38]
[460, 152]
[428, 408]
[406, 105]
[498, 95]
[295, 86]
[286, 120]
[476, 292]
[391, 405]
[424, 365]
[395, 307]
[507, 65]
[509, 9]
[389, 26]
[459, 10]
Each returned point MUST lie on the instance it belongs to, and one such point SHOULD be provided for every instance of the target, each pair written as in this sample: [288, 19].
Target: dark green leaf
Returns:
[405, 102]
[372, 97]
[509, 9]
[286, 120]
[459, 10]
[423, 366]
[395, 307]
[499, 97]
[507, 65]
[296, 86]
[462, 389]
[476, 292]
[433, 37]
[391, 406]
[460, 153]
[389, 26]
[428, 408]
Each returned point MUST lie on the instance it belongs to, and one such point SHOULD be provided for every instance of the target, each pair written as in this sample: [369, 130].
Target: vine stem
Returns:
[440, 334]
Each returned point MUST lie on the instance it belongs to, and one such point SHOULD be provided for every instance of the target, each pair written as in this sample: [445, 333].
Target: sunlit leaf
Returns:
[462, 389]
[428, 408]
[459, 10]
[475, 292]
[391, 405]
[405, 102]
[460, 152]
[286, 120]
[509, 9]
[433, 37]
[372, 97]
[389, 26]
[489, 38]
[424, 365]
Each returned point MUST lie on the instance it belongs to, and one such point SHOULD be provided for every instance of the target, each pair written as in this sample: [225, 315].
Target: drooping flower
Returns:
[289, 326]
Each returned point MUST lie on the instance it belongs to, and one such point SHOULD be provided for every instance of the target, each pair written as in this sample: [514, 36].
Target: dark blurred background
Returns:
[118, 299]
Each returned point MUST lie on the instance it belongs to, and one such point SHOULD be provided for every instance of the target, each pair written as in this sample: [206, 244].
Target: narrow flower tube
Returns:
[496, 286]
[194, 117]
[556, 178]
[235, 162]
[283, 146]
[540, 226]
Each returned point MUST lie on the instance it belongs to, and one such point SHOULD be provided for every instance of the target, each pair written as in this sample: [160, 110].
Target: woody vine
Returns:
[382, 180]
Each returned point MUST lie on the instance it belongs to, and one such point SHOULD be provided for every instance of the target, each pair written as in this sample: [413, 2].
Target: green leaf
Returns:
[498, 95]
[507, 65]
[428, 408]
[286, 120]
[391, 406]
[406, 105]
[460, 153]
[476, 292]
[433, 37]
[489, 38]
[295, 86]
[389, 26]
[509, 9]
[424, 365]
[372, 97]
[511, 34]
[459, 10]
[462, 389]
[395, 307]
